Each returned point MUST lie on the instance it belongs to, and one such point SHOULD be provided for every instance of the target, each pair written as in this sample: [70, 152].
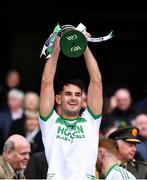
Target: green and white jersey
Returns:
[118, 173]
[71, 146]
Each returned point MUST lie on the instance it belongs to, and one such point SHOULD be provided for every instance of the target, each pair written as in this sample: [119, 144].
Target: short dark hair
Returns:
[76, 82]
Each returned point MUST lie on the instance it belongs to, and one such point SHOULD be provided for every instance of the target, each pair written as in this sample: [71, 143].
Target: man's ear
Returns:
[9, 154]
[58, 99]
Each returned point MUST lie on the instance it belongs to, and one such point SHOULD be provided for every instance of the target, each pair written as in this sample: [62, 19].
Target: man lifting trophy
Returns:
[70, 137]
[73, 40]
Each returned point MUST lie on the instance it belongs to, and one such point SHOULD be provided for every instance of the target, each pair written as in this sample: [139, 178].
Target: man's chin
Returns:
[73, 113]
[23, 166]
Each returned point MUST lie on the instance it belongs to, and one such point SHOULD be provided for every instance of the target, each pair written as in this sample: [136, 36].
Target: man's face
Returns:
[13, 79]
[127, 150]
[31, 124]
[71, 100]
[123, 99]
[14, 103]
[141, 124]
[19, 157]
[31, 101]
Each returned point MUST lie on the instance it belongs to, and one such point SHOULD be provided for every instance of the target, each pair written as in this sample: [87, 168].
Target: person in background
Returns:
[141, 123]
[13, 80]
[31, 109]
[31, 102]
[30, 130]
[124, 110]
[108, 162]
[126, 139]
[15, 157]
[33, 133]
[14, 113]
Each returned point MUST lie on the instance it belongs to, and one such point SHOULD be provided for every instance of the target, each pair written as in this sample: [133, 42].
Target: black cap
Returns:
[129, 134]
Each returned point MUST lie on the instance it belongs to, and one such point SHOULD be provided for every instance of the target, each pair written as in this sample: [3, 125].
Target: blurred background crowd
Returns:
[19, 110]
[19, 113]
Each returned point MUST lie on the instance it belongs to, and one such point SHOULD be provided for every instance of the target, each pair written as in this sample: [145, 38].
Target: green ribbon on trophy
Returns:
[73, 40]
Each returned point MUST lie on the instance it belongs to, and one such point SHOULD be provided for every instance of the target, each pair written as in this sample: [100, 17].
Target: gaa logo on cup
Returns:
[77, 48]
[73, 43]
[73, 40]
[70, 38]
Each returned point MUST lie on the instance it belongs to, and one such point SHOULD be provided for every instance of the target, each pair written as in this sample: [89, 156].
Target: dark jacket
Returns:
[37, 166]
[117, 116]
[141, 153]
[138, 169]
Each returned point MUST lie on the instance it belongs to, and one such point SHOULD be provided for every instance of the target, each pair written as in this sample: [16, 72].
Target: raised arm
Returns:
[94, 94]
[47, 83]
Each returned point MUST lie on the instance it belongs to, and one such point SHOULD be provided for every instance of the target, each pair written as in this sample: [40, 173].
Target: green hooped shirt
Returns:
[116, 172]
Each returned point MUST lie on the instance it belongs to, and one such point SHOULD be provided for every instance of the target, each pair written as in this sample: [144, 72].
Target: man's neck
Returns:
[110, 168]
[108, 164]
[69, 117]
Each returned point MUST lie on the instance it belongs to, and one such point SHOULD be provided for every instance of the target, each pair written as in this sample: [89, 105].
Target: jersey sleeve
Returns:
[93, 119]
[123, 174]
[46, 122]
